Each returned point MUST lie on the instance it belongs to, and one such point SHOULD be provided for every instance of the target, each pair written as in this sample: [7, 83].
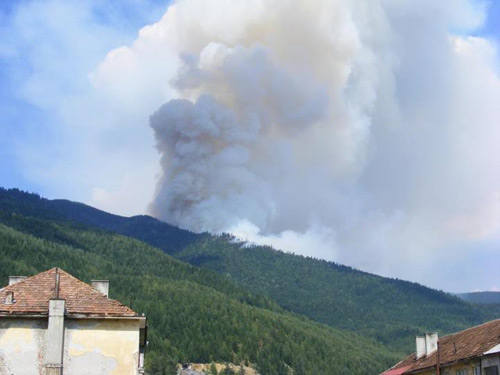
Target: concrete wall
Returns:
[469, 367]
[452, 370]
[430, 372]
[475, 366]
[491, 360]
[101, 347]
[91, 347]
[22, 346]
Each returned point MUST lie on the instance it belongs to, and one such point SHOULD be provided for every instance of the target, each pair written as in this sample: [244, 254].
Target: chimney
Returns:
[101, 286]
[9, 298]
[15, 279]
[54, 347]
[431, 343]
[420, 341]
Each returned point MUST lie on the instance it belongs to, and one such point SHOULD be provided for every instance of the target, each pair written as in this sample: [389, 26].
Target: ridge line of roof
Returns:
[82, 282]
[90, 287]
[31, 277]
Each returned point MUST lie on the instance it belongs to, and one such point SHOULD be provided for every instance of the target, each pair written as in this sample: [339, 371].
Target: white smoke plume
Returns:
[365, 131]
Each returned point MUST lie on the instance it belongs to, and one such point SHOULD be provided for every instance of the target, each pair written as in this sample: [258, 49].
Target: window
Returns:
[492, 370]
[462, 371]
[143, 337]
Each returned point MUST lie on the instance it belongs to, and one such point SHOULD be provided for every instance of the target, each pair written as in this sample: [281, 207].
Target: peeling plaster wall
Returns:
[101, 347]
[91, 347]
[22, 346]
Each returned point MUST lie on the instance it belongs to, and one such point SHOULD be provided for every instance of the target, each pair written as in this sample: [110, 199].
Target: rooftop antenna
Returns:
[57, 284]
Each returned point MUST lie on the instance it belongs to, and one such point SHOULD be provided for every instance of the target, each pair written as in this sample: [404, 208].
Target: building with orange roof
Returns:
[54, 324]
[474, 351]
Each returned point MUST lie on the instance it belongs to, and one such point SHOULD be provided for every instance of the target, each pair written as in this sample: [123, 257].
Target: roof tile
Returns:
[463, 345]
[32, 296]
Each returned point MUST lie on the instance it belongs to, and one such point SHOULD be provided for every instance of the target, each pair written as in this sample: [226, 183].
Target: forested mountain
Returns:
[389, 310]
[481, 297]
[167, 237]
[194, 314]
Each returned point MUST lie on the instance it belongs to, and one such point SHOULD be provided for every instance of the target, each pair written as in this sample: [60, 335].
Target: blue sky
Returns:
[492, 26]
[28, 122]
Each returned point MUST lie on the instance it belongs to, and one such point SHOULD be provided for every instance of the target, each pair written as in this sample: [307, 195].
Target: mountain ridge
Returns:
[389, 310]
[194, 314]
[483, 297]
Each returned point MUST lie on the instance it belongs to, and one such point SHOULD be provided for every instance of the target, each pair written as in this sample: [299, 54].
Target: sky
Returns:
[362, 132]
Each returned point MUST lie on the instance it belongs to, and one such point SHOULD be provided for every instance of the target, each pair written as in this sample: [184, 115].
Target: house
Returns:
[474, 351]
[53, 324]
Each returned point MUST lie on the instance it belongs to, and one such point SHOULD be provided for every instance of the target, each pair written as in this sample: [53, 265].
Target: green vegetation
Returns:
[388, 311]
[194, 314]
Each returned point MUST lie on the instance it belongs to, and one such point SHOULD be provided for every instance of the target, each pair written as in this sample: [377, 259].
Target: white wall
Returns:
[103, 347]
[491, 360]
[22, 346]
[91, 347]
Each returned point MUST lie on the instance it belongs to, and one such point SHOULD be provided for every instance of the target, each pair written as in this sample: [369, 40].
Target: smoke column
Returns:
[354, 131]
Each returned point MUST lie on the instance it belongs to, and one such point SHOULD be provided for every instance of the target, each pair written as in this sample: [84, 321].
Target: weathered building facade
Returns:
[474, 351]
[53, 324]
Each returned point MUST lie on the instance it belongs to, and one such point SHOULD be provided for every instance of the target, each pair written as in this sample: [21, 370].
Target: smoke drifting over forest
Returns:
[364, 132]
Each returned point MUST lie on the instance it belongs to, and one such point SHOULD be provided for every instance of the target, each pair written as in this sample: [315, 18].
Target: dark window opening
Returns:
[492, 370]
[143, 337]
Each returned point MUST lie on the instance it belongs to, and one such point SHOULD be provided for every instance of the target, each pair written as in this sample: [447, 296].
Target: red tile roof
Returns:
[461, 346]
[396, 371]
[32, 296]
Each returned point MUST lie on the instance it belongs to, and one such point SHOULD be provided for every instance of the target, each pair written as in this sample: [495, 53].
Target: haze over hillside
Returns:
[481, 297]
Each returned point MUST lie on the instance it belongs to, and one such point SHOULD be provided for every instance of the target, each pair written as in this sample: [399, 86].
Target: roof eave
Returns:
[73, 316]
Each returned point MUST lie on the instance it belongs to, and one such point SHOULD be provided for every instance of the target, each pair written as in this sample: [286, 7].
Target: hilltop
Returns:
[481, 297]
[194, 314]
[390, 310]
